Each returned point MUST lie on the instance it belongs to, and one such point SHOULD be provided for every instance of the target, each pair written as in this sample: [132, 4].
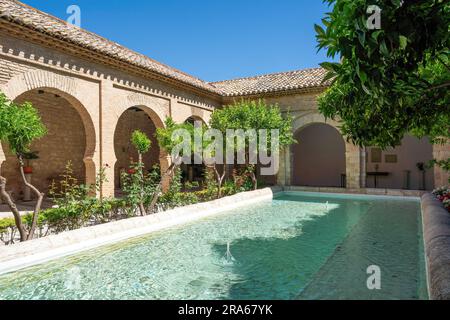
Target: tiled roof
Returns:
[31, 18]
[275, 82]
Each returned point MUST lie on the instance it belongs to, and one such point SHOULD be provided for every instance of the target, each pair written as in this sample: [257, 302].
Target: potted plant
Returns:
[28, 157]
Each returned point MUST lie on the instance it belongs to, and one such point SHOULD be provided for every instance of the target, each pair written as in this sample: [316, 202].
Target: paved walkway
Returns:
[24, 208]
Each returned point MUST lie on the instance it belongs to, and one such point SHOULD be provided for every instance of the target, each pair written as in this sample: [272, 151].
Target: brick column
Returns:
[108, 123]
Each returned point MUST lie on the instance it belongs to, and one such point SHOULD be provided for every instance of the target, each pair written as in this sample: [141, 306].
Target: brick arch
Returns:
[196, 118]
[154, 108]
[67, 88]
[352, 152]
[149, 105]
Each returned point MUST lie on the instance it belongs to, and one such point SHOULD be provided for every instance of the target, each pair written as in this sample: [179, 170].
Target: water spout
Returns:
[327, 206]
[229, 259]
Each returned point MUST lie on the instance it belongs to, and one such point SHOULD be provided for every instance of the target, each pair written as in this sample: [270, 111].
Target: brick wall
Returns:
[65, 141]
[130, 121]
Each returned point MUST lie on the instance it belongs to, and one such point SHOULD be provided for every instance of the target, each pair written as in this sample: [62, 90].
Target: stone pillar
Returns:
[284, 173]
[363, 168]
[441, 152]
[353, 163]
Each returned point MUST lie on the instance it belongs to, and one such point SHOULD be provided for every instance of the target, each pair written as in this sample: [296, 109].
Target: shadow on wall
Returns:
[401, 165]
[319, 157]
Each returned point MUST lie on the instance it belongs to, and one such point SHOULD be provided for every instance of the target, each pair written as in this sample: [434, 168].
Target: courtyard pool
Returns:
[298, 246]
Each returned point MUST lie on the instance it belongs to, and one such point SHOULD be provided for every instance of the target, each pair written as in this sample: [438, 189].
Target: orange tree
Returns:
[20, 125]
[393, 78]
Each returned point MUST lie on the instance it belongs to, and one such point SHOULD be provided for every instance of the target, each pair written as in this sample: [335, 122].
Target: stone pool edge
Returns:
[35, 252]
[436, 231]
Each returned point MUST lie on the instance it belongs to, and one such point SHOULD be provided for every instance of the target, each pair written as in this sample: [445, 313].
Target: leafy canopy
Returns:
[141, 142]
[253, 115]
[390, 81]
[165, 135]
[20, 125]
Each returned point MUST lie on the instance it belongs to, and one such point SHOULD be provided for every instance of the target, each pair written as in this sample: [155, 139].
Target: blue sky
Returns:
[210, 39]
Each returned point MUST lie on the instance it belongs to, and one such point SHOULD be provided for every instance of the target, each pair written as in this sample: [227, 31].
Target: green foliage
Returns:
[392, 81]
[67, 190]
[175, 197]
[139, 187]
[253, 115]
[242, 178]
[165, 135]
[6, 223]
[20, 125]
[141, 142]
[211, 184]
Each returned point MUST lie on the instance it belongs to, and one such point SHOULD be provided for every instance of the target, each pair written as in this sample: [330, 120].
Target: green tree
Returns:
[168, 142]
[20, 125]
[142, 144]
[392, 80]
[253, 115]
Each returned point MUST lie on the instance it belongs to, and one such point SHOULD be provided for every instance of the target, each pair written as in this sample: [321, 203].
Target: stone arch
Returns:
[352, 152]
[67, 88]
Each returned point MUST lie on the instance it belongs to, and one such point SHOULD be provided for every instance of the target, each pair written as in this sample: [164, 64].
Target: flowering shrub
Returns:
[443, 195]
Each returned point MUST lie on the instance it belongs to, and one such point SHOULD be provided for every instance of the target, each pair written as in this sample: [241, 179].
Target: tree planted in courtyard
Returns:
[394, 75]
[254, 115]
[20, 125]
[142, 144]
[168, 141]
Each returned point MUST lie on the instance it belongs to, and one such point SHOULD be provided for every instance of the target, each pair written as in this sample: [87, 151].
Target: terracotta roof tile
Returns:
[32, 18]
[26, 16]
[275, 82]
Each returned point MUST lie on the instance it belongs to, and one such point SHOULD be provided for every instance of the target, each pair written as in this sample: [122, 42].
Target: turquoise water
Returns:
[297, 246]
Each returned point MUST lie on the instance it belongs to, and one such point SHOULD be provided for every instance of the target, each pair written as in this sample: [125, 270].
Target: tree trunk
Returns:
[40, 198]
[254, 179]
[220, 178]
[141, 173]
[18, 219]
[158, 190]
